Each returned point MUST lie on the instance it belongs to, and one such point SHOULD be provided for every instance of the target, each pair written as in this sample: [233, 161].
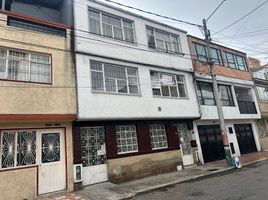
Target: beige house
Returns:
[38, 100]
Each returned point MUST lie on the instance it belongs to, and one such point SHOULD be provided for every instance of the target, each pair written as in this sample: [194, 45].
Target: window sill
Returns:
[29, 82]
[178, 98]
[18, 168]
[159, 148]
[167, 53]
[128, 152]
[112, 93]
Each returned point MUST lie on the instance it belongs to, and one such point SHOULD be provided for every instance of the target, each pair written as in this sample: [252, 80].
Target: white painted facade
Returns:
[231, 114]
[103, 106]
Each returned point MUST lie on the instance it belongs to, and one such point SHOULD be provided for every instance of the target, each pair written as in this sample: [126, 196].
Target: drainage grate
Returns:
[212, 170]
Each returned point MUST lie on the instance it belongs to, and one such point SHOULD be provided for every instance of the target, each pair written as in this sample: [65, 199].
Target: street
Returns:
[249, 183]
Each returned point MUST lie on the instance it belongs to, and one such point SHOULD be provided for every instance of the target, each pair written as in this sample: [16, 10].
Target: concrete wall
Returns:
[262, 125]
[102, 106]
[13, 181]
[137, 52]
[124, 169]
[30, 98]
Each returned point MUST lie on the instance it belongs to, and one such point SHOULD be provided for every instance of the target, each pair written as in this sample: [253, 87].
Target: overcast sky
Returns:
[249, 35]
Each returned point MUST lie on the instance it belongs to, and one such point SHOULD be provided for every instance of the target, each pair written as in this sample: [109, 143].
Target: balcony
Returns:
[245, 100]
[247, 107]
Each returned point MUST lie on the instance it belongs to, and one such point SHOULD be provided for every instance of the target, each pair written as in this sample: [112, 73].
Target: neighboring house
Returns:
[260, 75]
[38, 101]
[240, 107]
[136, 94]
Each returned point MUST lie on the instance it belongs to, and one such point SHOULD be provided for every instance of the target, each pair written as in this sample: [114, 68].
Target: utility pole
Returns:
[217, 98]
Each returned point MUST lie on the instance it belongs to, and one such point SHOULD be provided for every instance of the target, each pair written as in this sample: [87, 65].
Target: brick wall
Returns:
[219, 69]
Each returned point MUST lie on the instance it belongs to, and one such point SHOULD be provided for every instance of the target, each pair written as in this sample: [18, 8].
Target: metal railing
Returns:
[247, 107]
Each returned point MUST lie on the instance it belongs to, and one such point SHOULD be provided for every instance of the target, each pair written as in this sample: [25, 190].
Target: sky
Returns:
[250, 35]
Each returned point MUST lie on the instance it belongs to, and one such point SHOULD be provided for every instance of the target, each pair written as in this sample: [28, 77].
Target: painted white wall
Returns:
[229, 112]
[36, 11]
[138, 52]
[100, 106]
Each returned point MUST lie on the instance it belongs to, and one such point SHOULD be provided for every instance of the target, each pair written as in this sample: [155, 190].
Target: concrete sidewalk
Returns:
[110, 191]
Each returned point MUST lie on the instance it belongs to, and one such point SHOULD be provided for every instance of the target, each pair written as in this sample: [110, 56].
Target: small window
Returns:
[112, 78]
[158, 136]
[263, 93]
[126, 137]
[110, 26]
[168, 85]
[163, 41]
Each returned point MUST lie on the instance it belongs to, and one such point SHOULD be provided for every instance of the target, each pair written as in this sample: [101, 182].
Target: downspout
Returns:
[198, 102]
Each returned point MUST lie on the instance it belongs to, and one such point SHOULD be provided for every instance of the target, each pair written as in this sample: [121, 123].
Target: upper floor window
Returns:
[37, 27]
[236, 62]
[25, 66]
[202, 54]
[263, 93]
[206, 95]
[168, 85]
[110, 26]
[163, 41]
[113, 78]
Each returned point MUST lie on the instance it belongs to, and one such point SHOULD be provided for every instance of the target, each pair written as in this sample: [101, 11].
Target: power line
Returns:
[215, 10]
[152, 13]
[241, 18]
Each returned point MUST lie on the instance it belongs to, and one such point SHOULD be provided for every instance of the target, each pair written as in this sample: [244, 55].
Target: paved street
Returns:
[249, 183]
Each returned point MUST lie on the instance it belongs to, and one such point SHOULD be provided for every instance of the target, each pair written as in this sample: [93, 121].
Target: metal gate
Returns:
[245, 138]
[211, 142]
[93, 155]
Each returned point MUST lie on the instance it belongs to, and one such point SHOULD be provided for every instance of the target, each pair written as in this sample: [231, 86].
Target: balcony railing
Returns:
[247, 107]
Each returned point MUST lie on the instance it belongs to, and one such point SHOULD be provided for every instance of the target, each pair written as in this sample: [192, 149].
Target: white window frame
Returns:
[170, 37]
[136, 137]
[30, 61]
[261, 91]
[177, 82]
[122, 25]
[116, 85]
[158, 140]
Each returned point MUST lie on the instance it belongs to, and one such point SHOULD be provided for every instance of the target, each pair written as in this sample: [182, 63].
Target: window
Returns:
[206, 95]
[22, 66]
[163, 41]
[110, 26]
[158, 136]
[236, 62]
[263, 93]
[168, 85]
[18, 148]
[112, 78]
[126, 137]
[37, 27]
[202, 54]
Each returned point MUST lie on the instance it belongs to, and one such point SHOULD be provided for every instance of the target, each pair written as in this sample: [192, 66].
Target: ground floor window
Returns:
[158, 136]
[126, 137]
[18, 148]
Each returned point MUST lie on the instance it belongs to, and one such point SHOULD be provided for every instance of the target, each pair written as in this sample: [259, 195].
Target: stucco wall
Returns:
[18, 184]
[128, 168]
[30, 98]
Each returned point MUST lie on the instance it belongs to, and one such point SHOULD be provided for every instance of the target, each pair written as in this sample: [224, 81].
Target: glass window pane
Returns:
[173, 91]
[94, 26]
[230, 60]
[182, 90]
[122, 86]
[107, 30]
[118, 33]
[158, 136]
[126, 137]
[129, 34]
[97, 81]
[40, 73]
[110, 85]
[165, 90]
[2, 68]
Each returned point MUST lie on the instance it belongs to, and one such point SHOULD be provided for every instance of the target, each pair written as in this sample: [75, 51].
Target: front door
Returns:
[211, 142]
[52, 174]
[93, 153]
[245, 138]
[185, 144]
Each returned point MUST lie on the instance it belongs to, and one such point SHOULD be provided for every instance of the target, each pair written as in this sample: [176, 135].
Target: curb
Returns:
[193, 178]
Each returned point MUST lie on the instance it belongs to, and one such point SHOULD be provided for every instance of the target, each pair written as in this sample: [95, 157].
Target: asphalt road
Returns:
[249, 183]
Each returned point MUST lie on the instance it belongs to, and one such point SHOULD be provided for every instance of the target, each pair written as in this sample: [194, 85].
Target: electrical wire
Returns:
[215, 10]
[241, 18]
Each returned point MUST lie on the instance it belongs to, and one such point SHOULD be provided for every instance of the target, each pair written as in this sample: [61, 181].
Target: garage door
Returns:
[245, 138]
[211, 143]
